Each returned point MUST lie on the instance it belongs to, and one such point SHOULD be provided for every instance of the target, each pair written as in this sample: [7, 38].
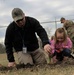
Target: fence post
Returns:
[55, 23]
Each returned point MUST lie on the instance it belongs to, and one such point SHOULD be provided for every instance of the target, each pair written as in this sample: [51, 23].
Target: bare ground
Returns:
[66, 68]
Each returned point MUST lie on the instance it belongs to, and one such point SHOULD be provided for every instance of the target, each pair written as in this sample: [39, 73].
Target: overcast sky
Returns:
[43, 10]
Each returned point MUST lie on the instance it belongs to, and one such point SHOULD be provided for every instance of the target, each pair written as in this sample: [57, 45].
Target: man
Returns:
[21, 35]
[69, 26]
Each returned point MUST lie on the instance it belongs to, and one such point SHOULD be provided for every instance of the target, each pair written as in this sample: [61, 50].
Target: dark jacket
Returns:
[16, 36]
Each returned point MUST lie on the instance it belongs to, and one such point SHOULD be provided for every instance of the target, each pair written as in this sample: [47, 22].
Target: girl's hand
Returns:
[61, 49]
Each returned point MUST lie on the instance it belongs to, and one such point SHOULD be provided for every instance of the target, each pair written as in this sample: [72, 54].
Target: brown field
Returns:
[59, 69]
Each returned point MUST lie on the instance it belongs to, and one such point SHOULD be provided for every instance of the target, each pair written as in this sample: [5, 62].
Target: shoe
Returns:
[72, 55]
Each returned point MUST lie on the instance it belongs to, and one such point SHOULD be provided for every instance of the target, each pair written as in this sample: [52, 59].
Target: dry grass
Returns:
[62, 69]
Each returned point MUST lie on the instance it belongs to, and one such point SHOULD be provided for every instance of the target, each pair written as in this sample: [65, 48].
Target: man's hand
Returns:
[11, 64]
[47, 48]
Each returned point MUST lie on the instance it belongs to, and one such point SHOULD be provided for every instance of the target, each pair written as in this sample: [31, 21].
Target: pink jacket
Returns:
[61, 45]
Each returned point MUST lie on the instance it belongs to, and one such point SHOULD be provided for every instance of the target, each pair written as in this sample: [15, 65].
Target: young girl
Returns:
[61, 44]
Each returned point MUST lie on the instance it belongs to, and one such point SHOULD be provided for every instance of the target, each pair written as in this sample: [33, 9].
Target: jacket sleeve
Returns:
[69, 43]
[53, 46]
[41, 33]
[8, 45]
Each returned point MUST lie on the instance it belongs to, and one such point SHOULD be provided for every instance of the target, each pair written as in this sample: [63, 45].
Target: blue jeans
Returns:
[66, 52]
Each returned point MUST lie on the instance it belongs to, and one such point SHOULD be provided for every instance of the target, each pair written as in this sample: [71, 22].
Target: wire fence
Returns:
[46, 22]
[51, 27]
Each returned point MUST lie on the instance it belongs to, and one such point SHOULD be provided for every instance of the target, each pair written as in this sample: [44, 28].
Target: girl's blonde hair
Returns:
[61, 30]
